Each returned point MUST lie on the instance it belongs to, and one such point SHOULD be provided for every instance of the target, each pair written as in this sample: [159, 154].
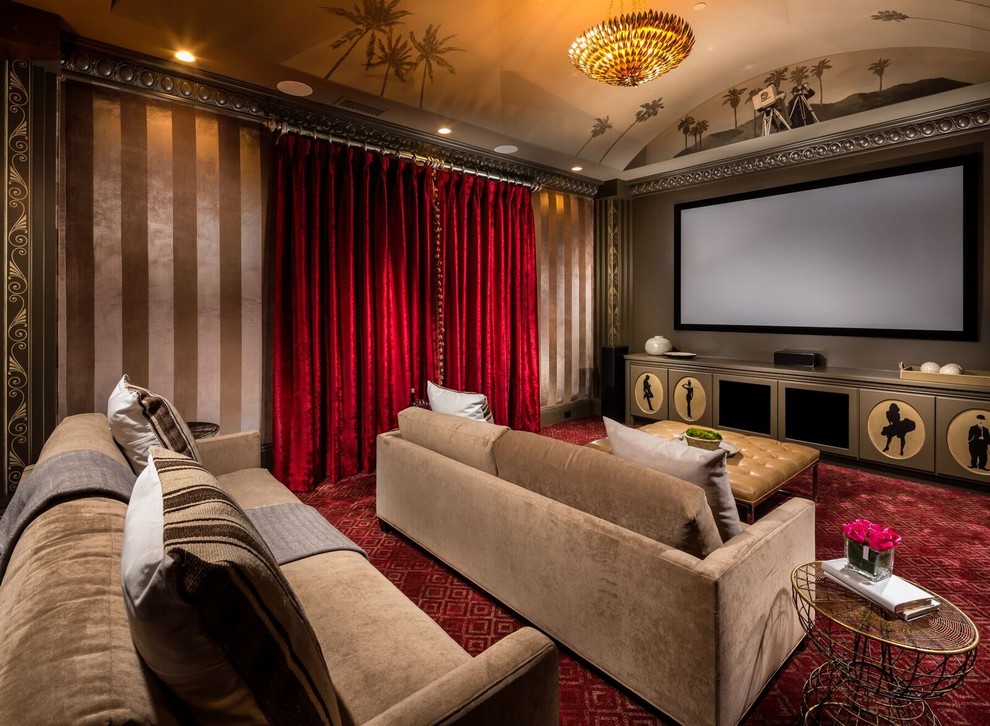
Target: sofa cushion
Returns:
[467, 441]
[208, 604]
[648, 502]
[379, 647]
[66, 655]
[702, 467]
[140, 419]
[459, 403]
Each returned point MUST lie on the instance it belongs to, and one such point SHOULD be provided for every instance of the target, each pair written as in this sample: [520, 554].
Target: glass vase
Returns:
[870, 563]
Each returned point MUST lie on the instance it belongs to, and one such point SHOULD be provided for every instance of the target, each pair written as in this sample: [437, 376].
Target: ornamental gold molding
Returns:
[16, 261]
[101, 64]
[612, 276]
[958, 120]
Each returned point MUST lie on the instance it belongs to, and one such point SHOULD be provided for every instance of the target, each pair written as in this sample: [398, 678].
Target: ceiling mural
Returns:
[815, 90]
[498, 74]
[401, 54]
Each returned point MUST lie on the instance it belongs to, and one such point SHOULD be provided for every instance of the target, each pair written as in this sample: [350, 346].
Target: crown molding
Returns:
[954, 121]
[89, 60]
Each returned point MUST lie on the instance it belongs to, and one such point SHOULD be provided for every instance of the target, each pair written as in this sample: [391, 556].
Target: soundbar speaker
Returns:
[803, 358]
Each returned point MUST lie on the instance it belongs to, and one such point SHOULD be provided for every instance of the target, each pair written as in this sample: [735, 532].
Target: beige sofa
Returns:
[621, 564]
[66, 655]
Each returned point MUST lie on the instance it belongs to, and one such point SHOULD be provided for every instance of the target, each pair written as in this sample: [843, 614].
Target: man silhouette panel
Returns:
[979, 442]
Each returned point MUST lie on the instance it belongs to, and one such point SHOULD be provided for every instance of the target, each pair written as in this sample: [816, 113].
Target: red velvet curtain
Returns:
[356, 300]
[352, 300]
[490, 295]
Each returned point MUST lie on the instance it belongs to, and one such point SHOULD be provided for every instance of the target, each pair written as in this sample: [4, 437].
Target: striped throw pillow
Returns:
[210, 611]
[140, 419]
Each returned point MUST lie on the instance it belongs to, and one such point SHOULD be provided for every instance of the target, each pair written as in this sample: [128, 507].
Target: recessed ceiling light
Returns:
[577, 168]
[443, 130]
[185, 56]
[700, 6]
[506, 149]
[294, 88]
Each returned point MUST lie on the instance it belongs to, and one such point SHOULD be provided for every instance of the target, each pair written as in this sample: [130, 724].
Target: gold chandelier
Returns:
[633, 49]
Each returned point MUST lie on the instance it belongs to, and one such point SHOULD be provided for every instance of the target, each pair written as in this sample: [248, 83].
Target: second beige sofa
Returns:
[621, 564]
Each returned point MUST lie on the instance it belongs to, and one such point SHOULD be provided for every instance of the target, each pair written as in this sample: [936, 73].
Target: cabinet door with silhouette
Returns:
[897, 429]
[964, 439]
[647, 392]
[690, 397]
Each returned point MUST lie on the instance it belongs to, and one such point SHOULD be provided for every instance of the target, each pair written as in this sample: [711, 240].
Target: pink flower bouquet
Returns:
[870, 548]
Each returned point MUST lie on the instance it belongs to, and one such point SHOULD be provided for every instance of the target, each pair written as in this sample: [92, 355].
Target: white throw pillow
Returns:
[704, 468]
[458, 403]
[140, 419]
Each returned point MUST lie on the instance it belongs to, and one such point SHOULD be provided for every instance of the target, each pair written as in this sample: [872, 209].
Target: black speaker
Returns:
[613, 382]
[803, 358]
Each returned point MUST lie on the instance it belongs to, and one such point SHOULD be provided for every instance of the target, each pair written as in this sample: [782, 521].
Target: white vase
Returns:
[658, 345]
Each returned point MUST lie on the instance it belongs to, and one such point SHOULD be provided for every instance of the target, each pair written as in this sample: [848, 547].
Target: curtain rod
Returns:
[284, 128]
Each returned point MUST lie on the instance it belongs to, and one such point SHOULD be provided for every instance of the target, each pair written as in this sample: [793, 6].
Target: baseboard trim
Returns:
[568, 411]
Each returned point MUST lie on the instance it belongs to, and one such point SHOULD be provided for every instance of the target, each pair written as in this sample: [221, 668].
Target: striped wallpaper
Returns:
[566, 258]
[161, 266]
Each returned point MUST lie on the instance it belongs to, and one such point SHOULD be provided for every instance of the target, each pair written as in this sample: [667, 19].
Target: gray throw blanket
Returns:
[65, 475]
[294, 530]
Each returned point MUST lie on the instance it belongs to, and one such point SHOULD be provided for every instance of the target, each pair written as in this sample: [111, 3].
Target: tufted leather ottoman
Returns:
[760, 469]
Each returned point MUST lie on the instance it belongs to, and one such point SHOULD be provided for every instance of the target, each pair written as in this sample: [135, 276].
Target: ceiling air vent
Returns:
[351, 105]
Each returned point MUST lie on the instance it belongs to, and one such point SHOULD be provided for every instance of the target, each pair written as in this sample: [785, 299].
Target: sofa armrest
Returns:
[231, 452]
[514, 681]
[756, 622]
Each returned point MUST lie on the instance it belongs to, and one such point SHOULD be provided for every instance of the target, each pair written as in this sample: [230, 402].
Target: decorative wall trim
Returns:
[961, 119]
[613, 243]
[83, 60]
[17, 153]
[612, 276]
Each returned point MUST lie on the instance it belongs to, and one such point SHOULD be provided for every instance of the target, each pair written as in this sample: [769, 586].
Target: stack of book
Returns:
[896, 595]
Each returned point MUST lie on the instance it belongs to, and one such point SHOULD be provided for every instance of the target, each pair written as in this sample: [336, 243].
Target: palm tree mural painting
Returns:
[732, 98]
[818, 71]
[647, 111]
[897, 17]
[684, 126]
[878, 69]
[600, 127]
[430, 52]
[776, 77]
[370, 19]
[698, 131]
[799, 75]
[394, 55]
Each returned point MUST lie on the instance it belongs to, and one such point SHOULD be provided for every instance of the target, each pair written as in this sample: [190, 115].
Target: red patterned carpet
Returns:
[946, 547]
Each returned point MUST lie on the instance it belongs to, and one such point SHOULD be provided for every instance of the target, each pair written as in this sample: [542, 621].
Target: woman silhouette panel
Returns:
[896, 426]
[648, 392]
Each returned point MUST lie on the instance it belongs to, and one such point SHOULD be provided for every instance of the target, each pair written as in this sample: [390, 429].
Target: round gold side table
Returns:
[879, 669]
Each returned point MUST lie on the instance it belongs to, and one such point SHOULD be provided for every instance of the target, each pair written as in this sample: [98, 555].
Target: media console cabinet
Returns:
[872, 415]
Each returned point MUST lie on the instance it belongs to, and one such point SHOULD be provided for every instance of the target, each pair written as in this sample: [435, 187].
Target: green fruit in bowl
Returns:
[706, 434]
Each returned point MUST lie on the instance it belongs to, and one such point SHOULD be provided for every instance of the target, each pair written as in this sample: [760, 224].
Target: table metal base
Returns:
[831, 697]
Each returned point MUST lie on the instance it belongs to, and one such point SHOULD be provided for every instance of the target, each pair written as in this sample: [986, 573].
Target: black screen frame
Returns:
[971, 164]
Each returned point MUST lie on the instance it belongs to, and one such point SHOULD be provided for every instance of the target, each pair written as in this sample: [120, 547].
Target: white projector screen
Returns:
[885, 254]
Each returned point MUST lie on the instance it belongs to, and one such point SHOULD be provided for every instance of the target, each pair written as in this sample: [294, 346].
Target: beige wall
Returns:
[566, 259]
[161, 272]
[653, 260]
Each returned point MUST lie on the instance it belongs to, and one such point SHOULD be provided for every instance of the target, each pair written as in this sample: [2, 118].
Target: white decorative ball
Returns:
[929, 367]
[953, 368]
[658, 345]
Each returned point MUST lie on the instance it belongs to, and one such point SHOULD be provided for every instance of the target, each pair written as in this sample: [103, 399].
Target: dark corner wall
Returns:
[653, 273]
